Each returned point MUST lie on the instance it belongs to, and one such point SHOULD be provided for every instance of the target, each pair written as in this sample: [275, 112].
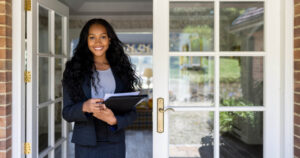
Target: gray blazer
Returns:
[84, 132]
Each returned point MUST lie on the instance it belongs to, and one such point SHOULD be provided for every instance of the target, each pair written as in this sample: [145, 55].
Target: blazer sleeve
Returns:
[73, 111]
[126, 119]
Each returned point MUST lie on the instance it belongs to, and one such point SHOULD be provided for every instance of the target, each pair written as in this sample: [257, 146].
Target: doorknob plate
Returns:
[160, 115]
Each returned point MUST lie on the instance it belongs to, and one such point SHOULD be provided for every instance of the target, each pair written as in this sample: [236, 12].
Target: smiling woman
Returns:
[99, 66]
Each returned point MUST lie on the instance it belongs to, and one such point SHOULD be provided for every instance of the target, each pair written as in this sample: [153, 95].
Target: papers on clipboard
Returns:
[121, 103]
[108, 95]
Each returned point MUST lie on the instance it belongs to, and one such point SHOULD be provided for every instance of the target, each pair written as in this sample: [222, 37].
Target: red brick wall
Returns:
[5, 77]
[297, 79]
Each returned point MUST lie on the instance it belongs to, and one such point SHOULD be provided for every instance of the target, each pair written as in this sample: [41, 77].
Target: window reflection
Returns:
[241, 26]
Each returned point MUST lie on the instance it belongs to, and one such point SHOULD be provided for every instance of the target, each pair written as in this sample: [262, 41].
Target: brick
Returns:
[5, 65]
[5, 8]
[5, 99]
[5, 154]
[5, 42]
[297, 10]
[5, 54]
[7, 76]
[297, 76]
[297, 119]
[297, 98]
[296, 151]
[5, 110]
[297, 87]
[297, 54]
[4, 133]
[5, 144]
[297, 65]
[297, 41]
[297, 131]
[5, 121]
[5, 87]
[5, 31]
[5, 19]
[297, 32]
[297, 109]
[297, 141]
[296, 21]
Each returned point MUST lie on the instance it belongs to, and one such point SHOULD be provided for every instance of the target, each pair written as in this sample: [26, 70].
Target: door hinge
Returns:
[27, 5]
[27, 76]
[27, 148]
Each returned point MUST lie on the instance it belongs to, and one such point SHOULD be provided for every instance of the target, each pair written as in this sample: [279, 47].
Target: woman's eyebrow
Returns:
[97, 33]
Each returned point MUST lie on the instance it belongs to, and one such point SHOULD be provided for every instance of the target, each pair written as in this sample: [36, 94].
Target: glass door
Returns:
[216, 79]
[47, 25]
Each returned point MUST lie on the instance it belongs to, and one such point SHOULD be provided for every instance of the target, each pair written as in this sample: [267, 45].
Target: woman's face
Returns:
[98, 40]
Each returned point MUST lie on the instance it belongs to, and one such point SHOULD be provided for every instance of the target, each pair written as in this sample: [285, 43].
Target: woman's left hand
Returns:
[106, 115]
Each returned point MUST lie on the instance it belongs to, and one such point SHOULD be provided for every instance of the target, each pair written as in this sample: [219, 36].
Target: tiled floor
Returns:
[138, 144]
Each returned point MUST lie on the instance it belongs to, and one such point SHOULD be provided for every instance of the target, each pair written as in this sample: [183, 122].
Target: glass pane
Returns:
[241, 81]
[58, 121]
[43, 128]
[43, 30]
[191, 81]
[58, 78]
[58, 34]
[242, 26]
[191, 134]
[191, 26]
[43, 79]
[143, 68]
[241, 134]
[58, 152]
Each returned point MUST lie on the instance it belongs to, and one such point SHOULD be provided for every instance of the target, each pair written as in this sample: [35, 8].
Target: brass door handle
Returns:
[168, 109]
[160, 114]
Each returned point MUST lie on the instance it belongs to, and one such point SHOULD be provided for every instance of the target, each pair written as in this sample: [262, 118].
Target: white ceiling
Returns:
[109, 7]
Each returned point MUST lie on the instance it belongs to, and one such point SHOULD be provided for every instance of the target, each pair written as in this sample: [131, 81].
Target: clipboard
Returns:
[123, 104]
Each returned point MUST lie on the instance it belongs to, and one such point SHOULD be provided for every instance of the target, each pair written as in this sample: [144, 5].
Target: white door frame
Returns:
[287, 80]
[18, 86]
[273, 118]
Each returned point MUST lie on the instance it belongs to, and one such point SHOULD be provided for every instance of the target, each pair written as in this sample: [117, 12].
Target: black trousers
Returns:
[101, 150]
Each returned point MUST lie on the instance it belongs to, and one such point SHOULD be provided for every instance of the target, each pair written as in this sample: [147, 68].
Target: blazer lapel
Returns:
[87, 88]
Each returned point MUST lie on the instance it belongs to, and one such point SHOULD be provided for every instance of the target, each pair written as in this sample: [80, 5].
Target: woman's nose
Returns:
[98, 40]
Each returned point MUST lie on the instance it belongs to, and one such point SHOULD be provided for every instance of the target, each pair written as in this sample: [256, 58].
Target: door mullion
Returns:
[52, 83]
[65, 54]
[216, 78]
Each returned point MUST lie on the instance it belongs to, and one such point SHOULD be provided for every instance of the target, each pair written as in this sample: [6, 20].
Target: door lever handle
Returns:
[168, 109]
[160, 114]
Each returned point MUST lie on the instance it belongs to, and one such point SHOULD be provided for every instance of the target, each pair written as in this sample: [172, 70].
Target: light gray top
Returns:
[106, 84]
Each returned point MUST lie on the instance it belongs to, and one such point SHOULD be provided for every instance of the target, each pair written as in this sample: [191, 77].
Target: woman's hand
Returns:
[106, 115]
[93, 105]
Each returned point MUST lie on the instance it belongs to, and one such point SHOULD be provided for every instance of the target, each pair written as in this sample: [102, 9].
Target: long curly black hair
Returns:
[81, 66]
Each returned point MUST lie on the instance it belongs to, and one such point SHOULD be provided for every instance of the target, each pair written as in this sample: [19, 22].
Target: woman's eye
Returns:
[92, 38]
[103, 37]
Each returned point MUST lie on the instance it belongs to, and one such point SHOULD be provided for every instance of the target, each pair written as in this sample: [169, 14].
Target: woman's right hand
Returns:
[92, 105]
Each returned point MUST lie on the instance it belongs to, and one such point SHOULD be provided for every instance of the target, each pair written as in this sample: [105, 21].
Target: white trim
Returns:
[216, 151]
[57, 6]
[18, 86]
[160, 77]
[272, 117]
[288, 79]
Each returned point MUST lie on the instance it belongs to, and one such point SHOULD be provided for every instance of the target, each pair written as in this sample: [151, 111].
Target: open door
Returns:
[47, 47]
[216, 90]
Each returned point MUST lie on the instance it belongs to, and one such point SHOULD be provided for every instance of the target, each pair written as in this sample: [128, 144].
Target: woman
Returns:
[99, 66]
